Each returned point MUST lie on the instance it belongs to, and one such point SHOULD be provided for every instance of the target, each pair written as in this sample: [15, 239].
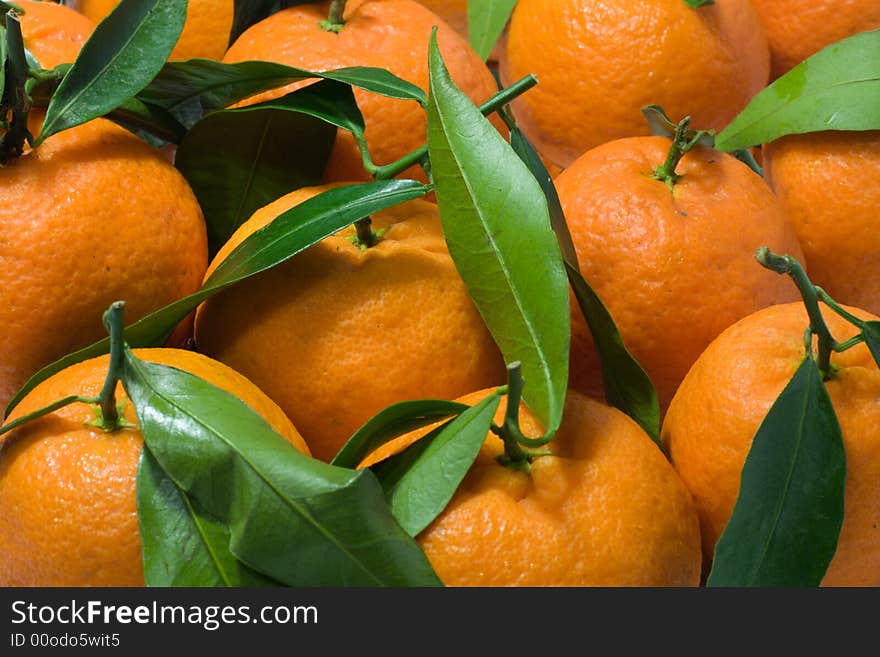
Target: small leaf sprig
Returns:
[869, 331]
[787, 519]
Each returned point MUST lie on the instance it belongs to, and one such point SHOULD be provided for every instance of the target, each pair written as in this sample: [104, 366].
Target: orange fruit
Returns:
[829, 183]
[797, 29]
[390, 34]
[337, 333]
[674, 268]
[599, 63]
[68, 489]
[53, 34]
[455, 13]
[205, 33]
[90, 216]
[723, 400]
[605, 509]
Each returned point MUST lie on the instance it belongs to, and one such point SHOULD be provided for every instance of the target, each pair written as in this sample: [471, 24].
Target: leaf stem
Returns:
[681, 144]
[335, 21]
[785, 264]
[46, 410]
[366, 237]
[495, 103]
[515, 456]
[109, 419]
[836, 307]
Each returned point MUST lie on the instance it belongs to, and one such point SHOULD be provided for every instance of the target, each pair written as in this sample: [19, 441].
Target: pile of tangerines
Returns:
[352, 325]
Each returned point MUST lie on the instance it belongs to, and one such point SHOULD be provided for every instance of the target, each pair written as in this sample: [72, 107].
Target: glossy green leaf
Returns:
[153, 124]
[696, 4]
[237, 161]
[4, 54]
[497, 226]
[191, 89]
[871, 333]
[838, 88]
[181, 545]
[291, 517]
[392, 422]
[420, 480]
[126, 51]
[486, 21]
[784, 528]
[627, 385]
[290, 233]
[532, 160]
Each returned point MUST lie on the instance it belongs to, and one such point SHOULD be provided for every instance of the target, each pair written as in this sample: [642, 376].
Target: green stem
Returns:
[681, 144]
[17, 77]
[46, 410]
[514, 455]
[366, 238]
[506, 95]
[836, 307]
[334, 20]
[110, 420]
[840, 347]
[390, 170]
[495, 103]
[784, 264]
[510, 433]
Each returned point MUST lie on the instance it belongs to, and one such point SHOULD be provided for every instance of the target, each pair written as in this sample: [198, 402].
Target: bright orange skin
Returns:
[829, 183]
[54, 34]
[599, 62]
[673, 268]
[390, 34]
[606, 509]
[455, 13]
[723, 400]
[336, 334]
[205, 33]
[90, 216]
[68, 489]
[798, 29]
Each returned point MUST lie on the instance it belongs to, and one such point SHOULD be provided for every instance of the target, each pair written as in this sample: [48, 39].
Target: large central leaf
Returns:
[497, 225]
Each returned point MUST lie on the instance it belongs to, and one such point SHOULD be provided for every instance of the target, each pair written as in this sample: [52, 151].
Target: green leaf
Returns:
[290, 232]
[391, 422]
[532, 160]
[182, 546]
[486, 21]
[291, 517]
[420, 480]
[237, 161]
[126, 51]
[871, 333]
[784, 528]
[189, 90]
[497, 226]
[696, 4]
[838, 88]
[627, 385]
[153, 124]
[4, 55]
